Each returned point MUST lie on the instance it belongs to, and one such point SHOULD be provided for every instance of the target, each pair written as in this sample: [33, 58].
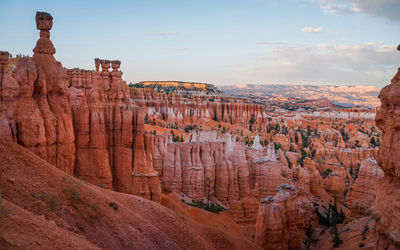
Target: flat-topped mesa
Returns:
[44, 22]
[183, 88]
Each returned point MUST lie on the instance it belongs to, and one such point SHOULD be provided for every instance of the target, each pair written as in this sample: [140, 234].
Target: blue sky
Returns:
[340, 42]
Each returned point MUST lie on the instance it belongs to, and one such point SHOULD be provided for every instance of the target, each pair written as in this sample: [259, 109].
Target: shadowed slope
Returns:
[44, 207]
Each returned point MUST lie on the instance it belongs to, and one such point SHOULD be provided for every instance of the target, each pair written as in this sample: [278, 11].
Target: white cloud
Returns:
[339, 8]
[389, 9]
[364, 63]
[271, 43]
[312, 30]
[164, 33]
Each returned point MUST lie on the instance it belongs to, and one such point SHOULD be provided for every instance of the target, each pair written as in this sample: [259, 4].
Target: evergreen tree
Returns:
[372, 141]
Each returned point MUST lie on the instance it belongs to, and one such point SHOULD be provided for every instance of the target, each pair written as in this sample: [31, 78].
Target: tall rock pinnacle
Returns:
[44, 22]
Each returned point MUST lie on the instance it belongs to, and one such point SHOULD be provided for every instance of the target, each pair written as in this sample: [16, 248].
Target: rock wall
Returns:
[388, 189]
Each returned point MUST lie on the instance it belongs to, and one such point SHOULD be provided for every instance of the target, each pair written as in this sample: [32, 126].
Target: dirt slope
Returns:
[43, 207]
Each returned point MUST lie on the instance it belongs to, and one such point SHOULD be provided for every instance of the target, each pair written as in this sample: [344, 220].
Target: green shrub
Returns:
[49, 199]
[326, 173]
[73, 188]
[212, 207]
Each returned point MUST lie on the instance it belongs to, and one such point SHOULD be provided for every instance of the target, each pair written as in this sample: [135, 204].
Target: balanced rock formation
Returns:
[44, 22]
[388, 189]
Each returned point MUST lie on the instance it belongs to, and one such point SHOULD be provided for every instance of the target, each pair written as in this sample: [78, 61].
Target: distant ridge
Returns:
[179, 87]
[342, 95]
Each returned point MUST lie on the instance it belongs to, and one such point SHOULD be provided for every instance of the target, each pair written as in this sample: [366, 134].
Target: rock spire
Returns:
[44, 22]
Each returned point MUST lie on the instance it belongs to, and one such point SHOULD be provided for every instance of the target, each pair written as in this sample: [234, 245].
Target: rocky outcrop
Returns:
[283, 219]
[388, 189]
[361, 195]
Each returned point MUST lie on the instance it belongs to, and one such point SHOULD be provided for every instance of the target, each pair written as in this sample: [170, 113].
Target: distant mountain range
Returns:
[340, 95]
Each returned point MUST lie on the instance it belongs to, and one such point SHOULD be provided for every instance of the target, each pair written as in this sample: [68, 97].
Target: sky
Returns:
[223, 42]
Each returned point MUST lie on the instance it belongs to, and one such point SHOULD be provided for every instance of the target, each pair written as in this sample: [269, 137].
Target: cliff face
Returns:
[388, 189]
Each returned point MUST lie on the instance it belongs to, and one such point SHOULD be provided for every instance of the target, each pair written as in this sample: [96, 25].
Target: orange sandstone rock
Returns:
[283, 219]
[361, 195]
[388, 189]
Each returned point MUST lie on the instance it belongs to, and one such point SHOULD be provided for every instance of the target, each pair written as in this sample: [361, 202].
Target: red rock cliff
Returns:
[388, 189]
